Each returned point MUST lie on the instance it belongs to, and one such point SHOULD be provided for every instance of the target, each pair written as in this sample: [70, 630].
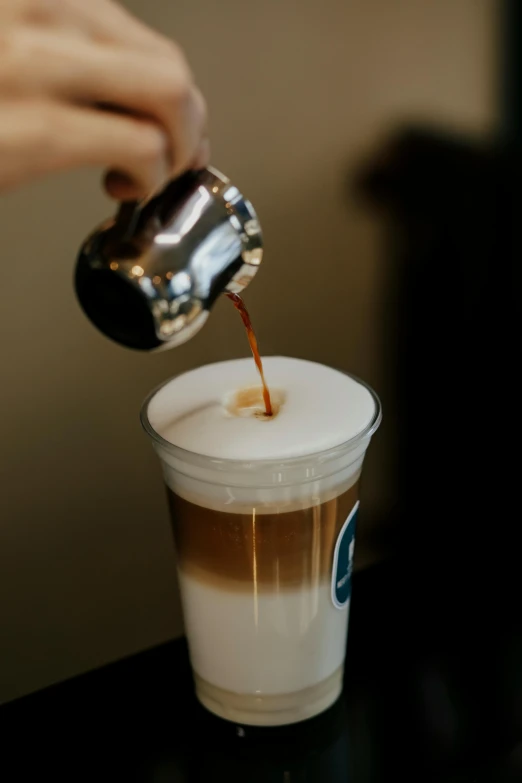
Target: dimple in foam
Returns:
[321, 408]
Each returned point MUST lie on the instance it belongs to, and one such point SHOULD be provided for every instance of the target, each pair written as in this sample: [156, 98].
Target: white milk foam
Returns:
[323, 408]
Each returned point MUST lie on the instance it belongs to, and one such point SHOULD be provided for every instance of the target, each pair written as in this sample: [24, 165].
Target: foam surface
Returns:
[323, 408]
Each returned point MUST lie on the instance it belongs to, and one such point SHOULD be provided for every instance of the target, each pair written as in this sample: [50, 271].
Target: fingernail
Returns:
[122, 187]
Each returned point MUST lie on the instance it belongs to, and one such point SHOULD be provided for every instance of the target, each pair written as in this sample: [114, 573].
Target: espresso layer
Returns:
[270, 551]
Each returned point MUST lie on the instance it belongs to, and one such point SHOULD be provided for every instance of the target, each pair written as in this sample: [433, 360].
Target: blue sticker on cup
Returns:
[343, 561]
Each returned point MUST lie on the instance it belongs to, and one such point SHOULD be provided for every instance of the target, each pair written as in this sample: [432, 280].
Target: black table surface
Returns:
[433, 692]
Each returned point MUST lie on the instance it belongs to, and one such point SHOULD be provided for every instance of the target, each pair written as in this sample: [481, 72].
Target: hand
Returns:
[84, 83]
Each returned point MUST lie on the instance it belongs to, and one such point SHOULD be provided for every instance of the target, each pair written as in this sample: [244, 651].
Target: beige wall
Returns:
[296, 91]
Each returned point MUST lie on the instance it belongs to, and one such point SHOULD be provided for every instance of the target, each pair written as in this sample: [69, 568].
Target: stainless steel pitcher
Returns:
[149, 277]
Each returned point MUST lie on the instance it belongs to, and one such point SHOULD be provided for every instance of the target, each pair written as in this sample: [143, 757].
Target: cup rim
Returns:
[201, 460]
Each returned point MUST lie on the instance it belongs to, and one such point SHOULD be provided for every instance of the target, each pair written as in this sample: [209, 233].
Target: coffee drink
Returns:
[263, 512]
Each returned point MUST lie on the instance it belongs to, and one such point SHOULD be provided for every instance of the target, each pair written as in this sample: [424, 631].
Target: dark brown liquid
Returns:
[243, 312]
[273, 551]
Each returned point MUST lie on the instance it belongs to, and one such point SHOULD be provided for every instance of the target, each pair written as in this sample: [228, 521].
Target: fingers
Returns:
[102, 20]
[40, 138]
[122, 188]
[159, 87]
[135, 148]
[186, 120]
[109, 22]
[72, 74]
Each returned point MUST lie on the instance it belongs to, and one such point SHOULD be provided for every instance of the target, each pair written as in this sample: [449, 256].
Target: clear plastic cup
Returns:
[265, 554]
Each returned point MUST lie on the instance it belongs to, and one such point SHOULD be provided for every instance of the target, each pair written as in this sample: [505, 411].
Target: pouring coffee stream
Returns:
[245, 317]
